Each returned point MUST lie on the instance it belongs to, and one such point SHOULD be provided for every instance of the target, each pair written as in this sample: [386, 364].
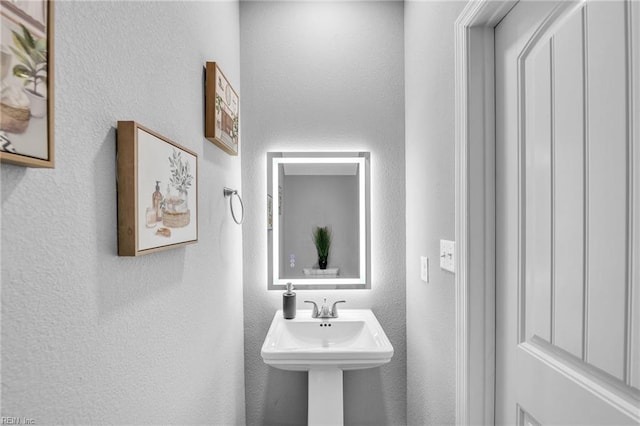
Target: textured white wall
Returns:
[89, 337]
[429, 80]
[325, 76]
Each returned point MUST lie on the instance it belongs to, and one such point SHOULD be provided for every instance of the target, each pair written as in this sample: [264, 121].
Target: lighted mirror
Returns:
[318, 204]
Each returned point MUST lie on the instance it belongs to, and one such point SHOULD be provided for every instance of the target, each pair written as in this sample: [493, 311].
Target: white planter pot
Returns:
[38, 104]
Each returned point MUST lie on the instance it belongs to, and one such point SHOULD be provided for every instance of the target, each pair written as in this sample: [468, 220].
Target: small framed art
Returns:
[157, 192]
[221, 110]
[26, 65]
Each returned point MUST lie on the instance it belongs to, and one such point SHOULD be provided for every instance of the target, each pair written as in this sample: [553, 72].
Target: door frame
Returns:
[475, 209]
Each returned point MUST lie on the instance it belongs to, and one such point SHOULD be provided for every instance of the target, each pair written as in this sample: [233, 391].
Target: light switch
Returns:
[424, 269]
[448, 255]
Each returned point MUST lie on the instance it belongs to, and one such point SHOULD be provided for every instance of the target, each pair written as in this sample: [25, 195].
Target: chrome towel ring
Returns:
[228, 192]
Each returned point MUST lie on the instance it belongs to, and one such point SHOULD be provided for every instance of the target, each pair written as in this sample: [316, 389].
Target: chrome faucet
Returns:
[324, 311]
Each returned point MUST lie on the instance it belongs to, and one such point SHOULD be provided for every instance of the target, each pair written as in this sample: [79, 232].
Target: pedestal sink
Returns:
[325, 348]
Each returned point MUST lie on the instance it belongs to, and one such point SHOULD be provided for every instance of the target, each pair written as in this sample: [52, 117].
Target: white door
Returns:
[568, 213]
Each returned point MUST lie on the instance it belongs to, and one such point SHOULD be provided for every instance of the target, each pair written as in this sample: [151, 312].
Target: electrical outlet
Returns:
[448, 255]
[424, 269]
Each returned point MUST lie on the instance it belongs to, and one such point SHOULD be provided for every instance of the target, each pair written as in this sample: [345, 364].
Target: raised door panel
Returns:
[607, 143]
[576, 184]
[568, 172]
[536, 77]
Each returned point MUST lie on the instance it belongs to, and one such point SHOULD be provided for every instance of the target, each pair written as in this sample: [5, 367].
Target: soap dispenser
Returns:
[289, 303]
[156, 199]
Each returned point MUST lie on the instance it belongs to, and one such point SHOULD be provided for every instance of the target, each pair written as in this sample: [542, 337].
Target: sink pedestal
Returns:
[325, 396]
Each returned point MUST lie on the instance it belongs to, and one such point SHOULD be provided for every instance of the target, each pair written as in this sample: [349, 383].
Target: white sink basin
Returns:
[324, 348]
[354, 340]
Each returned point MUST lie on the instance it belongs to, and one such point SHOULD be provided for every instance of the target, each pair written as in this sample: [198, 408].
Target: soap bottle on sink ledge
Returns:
[289, 303]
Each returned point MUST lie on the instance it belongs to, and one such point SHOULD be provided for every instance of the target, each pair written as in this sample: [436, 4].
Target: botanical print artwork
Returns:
[24, 84]
[167, 191]
[222, 106]
[226, 112]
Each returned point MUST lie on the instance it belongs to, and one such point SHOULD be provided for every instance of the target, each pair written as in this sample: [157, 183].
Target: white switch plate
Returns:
[424, 269]
[448, 255]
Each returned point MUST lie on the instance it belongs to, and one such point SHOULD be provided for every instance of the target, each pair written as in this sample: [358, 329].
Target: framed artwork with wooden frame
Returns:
[157, 192]
[221, 110]
[26, 65]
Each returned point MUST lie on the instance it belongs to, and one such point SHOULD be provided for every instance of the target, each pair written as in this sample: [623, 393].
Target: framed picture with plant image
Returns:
[157, 192]
[26, 83]
[222, 108]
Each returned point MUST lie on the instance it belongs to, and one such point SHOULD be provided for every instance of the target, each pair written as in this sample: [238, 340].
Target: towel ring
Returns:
[228, 192]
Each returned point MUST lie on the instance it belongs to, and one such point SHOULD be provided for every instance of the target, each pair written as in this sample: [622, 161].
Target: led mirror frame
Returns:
[361, 281]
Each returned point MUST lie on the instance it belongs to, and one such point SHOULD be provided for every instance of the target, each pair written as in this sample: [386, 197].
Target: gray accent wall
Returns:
[325, 76]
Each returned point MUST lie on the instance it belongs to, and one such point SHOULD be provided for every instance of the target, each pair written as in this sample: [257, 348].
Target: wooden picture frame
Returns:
[222, 105]
[27, 71]
[148, 220]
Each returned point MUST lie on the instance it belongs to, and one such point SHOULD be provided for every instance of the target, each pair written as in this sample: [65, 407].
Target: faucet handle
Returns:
[314, 314]
[334, 308]
[324, 310]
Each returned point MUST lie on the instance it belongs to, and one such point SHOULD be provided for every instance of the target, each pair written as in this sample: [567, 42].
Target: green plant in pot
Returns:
[32, 54]
[322, 241]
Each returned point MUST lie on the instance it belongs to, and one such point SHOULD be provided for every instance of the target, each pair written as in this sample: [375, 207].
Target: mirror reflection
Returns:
[318, 220]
